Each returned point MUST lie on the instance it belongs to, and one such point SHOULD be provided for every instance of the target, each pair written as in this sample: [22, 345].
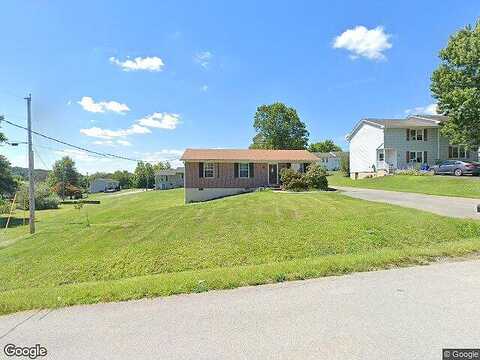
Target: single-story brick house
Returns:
[214, 173]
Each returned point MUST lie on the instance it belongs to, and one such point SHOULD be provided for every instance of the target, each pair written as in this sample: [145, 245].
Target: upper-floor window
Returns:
[208, 170]
[458, 152]
[243, 170]
[417, 134]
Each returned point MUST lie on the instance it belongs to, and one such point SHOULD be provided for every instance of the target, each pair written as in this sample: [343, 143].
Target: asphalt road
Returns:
[457, 207]
[409, 313]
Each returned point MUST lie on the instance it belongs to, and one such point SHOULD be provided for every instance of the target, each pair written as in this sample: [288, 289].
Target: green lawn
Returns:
[151, 244]
[465, 186]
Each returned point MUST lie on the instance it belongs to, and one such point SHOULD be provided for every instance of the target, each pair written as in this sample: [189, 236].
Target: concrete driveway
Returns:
[457, 207]
[409, 313]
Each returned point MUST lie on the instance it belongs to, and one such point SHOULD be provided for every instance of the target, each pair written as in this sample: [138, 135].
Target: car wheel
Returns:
[458, 172]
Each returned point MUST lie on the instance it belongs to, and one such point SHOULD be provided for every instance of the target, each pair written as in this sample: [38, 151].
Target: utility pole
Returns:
[31, 180]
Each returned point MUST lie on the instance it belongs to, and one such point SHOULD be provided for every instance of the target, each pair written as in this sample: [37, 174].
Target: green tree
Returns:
[278, 127]
[3, 138]
[456, 86]
[161, 165]
[345, 164]
[8, 184]
[144, 176]
[65, 173]
[324, 146]
[124, 178]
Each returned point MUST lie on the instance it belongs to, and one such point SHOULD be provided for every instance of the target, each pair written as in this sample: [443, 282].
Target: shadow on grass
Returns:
[14, 222]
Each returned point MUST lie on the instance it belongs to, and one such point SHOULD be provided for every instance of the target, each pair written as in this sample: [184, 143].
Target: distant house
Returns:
[380, 146]
[104, 185]
[214, 173]
[330, 160]
[169, 178]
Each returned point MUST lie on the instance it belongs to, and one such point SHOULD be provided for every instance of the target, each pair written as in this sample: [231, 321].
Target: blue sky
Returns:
[149, 79]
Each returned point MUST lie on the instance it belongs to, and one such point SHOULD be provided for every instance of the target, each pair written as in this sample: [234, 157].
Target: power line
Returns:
[71, 145]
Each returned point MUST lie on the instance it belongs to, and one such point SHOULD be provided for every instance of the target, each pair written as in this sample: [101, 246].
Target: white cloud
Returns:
[88, 104]
[149, 63]
[203, 58]
[170, 155]
[160, 120]
[361, 41]
[110, 134]
[124, 143]
[204, 88]
[112, 143]
[104, 142]
[78, 155]
[430, 109]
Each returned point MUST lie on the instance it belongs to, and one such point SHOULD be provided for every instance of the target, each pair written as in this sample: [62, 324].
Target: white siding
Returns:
[363, 148]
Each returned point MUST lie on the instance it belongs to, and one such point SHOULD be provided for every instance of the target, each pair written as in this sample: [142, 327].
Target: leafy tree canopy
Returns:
[278, 127]
[456, 86]
[144, 176]
[7, 183]
[3, 138]
[64, 171]
[162, 165]
[324, 146]
[124, 178]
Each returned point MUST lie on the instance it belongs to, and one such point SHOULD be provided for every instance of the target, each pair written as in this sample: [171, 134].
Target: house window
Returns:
[243, 170]
[458, 152]
[416, 157]
[381, 156]
[413, 134]
[208, 170]
[416, 134]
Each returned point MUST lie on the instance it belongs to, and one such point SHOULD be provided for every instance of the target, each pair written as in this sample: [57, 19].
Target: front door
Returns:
[391, 158]
[272, 174]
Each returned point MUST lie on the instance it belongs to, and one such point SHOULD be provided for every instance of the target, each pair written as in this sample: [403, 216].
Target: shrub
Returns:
[44, 197]
[4, 206]
[293, 181]
[316, 177]
[345, 165]
[413, 172]
[297, 184]
[68, 189]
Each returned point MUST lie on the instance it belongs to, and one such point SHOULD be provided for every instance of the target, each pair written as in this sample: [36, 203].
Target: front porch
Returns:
[386, 160]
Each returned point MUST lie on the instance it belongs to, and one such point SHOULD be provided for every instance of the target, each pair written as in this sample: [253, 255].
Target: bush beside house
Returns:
[314, 179]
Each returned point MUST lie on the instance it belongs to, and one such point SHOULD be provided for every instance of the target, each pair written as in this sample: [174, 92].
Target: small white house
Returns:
[330, 160]
[104, 185]
[380, 146]
[169, 178]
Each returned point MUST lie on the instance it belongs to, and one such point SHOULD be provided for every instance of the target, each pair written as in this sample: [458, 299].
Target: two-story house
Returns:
[379, 146]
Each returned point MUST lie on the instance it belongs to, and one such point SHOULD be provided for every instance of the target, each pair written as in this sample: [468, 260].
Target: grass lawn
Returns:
[465, 186]
[151, 244]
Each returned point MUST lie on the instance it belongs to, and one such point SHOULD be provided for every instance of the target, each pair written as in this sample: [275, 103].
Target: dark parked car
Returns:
[457, 168]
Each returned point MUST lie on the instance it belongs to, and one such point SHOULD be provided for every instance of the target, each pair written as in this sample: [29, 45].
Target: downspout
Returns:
[438, 143]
